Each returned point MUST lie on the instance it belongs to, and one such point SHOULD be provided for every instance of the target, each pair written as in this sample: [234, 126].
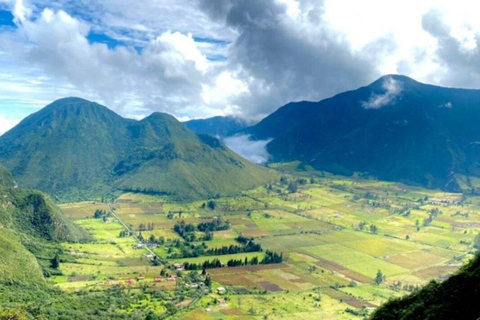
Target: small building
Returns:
[221, 300]
[139, 246]
[221, 290]
[129, 281]
[158, 279]
[179, 266]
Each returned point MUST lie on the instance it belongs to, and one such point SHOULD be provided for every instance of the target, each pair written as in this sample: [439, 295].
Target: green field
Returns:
[335, 234]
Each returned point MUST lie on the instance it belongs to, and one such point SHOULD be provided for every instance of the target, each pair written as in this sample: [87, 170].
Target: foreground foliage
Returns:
[455, 298]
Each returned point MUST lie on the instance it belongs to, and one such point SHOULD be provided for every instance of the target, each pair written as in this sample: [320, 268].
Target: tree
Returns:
[208, 281]
[293, 187]
[379, 278]
[55, 262]
[212, 205]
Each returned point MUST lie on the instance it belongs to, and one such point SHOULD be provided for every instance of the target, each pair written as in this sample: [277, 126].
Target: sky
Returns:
[201, 58]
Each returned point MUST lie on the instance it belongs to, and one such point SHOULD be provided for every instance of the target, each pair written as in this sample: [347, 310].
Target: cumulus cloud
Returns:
[254, 151]
[392, 89]
[199, 58]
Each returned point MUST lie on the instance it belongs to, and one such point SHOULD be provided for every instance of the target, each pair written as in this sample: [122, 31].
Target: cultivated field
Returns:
[335, 235]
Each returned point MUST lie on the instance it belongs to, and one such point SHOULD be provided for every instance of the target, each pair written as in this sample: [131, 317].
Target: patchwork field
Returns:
[347, 245]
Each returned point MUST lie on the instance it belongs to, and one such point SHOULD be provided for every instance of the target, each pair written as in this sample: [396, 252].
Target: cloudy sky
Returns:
[200, 58]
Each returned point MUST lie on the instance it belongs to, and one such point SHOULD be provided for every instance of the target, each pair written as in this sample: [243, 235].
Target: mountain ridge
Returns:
[76, 149]
[218, 126]
[395, 129]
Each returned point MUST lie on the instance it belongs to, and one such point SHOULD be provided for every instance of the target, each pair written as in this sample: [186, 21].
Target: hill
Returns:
[77, 149]
[30, 226]
[455, 298]
[217, 126]
[395, 129]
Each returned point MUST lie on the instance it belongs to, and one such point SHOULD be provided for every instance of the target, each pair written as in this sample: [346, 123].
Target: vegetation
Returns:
[335, 248]
[455, 298]
[94, 153]
[400, 143]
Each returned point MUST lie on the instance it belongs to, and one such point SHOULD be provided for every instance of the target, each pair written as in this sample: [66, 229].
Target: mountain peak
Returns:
[160, 116]
[390, 79]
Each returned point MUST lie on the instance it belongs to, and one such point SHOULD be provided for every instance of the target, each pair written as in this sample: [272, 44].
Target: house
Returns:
[221, 290]
[129, 281]
[158, 279]
[221, 300]
[179, 266]
[172, 278]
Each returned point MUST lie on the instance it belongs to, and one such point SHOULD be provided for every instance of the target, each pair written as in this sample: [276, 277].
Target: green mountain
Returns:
[455, 298]
[217, 126]
[30, 226]
[76, 149]
[395, 129]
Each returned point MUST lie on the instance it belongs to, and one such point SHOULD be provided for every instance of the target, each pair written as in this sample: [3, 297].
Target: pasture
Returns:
[335, 235]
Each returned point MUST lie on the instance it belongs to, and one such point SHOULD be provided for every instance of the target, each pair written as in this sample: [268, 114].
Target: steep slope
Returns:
[17, 263]
[76, 149]
[65, 148]
[455, 298]
[29, 222]
[6, 179]
[217, 126]
[396, 129]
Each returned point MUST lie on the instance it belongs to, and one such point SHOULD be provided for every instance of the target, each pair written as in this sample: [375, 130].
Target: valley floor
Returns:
[337, 236]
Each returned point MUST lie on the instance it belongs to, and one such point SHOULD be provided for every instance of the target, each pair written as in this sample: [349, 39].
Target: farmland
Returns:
[335, 235]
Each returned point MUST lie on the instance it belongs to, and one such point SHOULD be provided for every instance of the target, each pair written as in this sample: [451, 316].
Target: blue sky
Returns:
[200, 58]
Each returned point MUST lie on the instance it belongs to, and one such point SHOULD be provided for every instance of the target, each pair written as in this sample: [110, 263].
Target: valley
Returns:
[347, 246]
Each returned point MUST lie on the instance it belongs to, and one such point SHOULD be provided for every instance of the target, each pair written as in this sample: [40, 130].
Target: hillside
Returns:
[217, 126]
[76, 149]
[455, 298]
[6, 179]
[395, 129]
[29, 222]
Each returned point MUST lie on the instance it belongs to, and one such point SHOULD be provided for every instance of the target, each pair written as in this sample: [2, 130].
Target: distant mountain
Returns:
[455, 298]
[218, 126]
[395, 128]
[77, 149]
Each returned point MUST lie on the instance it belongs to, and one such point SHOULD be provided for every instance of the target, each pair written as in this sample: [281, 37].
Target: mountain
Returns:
[455, 298]
[77, 149]
[217, 126]
[395, 128]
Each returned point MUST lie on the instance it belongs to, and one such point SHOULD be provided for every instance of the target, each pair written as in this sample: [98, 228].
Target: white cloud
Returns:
[6, 124]
[392, 89]
[178, 48]
[21, 12]
[447, 105]
[254, 151]
[202, 58]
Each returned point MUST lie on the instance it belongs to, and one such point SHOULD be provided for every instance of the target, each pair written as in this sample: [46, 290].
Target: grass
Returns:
[318, 229]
